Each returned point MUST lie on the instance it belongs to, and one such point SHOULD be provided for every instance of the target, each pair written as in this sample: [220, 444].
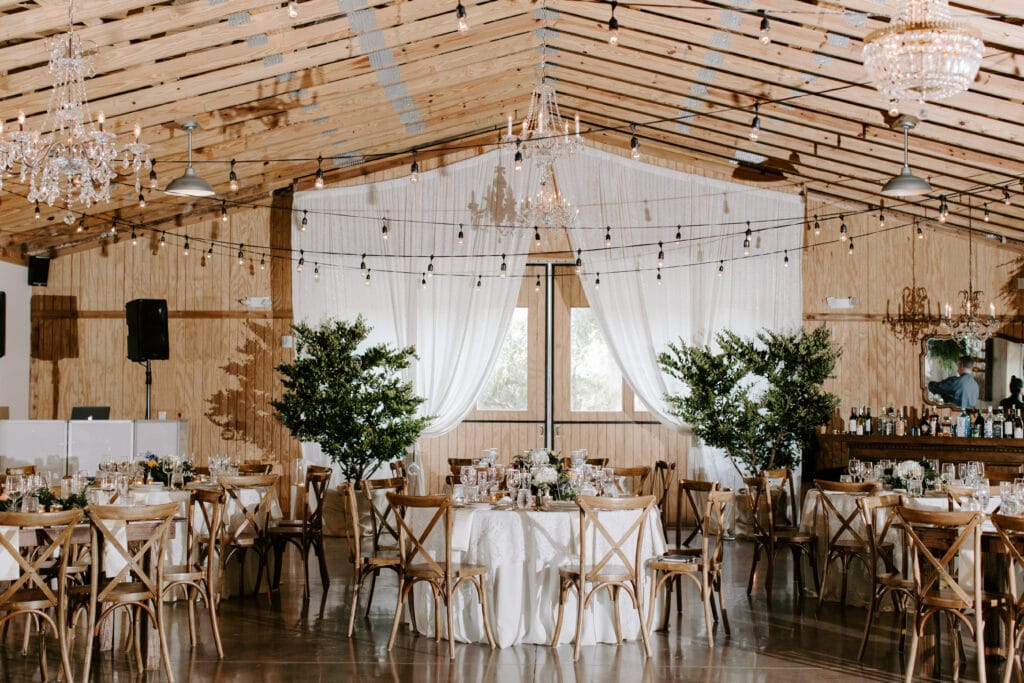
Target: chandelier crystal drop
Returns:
[547, 207]
[71, 157]
[544, 135]
[924, 54]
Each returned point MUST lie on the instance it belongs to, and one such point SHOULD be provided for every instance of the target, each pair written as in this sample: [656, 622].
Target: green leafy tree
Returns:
[353, 403]
[760, 398]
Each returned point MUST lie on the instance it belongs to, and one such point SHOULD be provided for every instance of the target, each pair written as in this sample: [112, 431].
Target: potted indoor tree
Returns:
[349, 397]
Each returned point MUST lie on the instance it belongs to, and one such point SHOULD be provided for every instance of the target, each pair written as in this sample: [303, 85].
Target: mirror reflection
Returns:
[995, 362]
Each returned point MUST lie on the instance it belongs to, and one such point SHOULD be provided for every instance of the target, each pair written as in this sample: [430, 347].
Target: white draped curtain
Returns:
[456, 326]
[643, 205]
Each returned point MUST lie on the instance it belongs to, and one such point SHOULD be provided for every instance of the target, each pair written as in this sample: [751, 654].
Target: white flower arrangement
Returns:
[910, 468]
[539, 456]
[545, 476]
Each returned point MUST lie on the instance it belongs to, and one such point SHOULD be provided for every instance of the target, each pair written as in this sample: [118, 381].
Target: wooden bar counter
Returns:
[835, 450]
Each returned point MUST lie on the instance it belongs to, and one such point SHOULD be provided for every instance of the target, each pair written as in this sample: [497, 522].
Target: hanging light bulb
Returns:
[163, 240]
[304, 222]
[536, 235]
[152, 174]
[38, 215]
[185, 249]
[233, 178]
[536, 285]
[316, 272]
[943, 209]
[142, 200]
[460, 16]
[430, 266]
[302, 262]
[384, 229]
[613, 27]
[986, 216]
[263, 262]
[842, 229]
[362, 262]
[920, 232]
[785, 259]
[679, 233]
[241, 255]
[850, 250]
[293, 9]
[135, 238]
[597, 281]
[881, 218]
[659, 275]
[755, 125]
[661, 255]
[223, 211]
[366, 281]
[81, 224]
[634, 142]
[746, 240]
[423, 280]
[1006, 197]
[579, 261]
[607, 236]
[765, 30]
[209, 252]
[318, 181]
[817, 225]
[519, 155]
[721, 268]
[414, 170]
[504, 266]
[460, 236]
[479, 281]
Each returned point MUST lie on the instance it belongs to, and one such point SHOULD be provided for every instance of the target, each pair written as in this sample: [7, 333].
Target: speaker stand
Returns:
[149, 387]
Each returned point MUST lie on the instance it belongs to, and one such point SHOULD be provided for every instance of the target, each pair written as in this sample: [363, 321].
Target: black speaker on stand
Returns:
[147, 336]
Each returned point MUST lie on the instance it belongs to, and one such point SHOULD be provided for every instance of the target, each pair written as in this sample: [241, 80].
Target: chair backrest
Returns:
[692, 495]
[782, 479]
[53, 531]
[594, 534]
[111, 551]
[877, 513]
[956, 492]
[1011, 533]
[661, 486]
[23, 470]
[317, 480]
[398, 469]
[635, 479]
[413, 545]
[255, 514]
[205, 521]
[713, 528]
[450, 480]
[250, 468]
[382, 516]
[350, 517]
[837, 523]
[456, 464]
[935, 541]
[597, 462]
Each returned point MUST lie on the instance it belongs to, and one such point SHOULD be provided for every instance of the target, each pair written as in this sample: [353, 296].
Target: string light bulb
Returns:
[679, 233]
[163, 240]
[423, 280]
[362, 262]
[318, 181]
[659, 275]
[579, 261]
[142, 200]
[765, 29]
[985, 217]
[881, 218]
[233, 178]
[430, 266]
[536, 285]
[209, 252]
[302, 262]
[38, 215]
[293, 10]
[459, 239]
[746, 240]
[241, 254]
[223, 211]
[920, 232]
[943, 209]
[817, 225]
[613, 27]
[366, 280]
[316, 272]
[263, 262]
[135, 238]
[414, 169]
[1006, 197]
[519, 155]
[597, 281]
[384, 230]
[842, 229]
[536, 235]
[81, 224]
[460, 16]
[785, 259]
[304, 222]
[755, 125]
[607, 236]
[152, 174]
[185, 250]
[479, 281]
[634, 142]
[661, 255]
[850, 249]
[721, 268]
[504, 266]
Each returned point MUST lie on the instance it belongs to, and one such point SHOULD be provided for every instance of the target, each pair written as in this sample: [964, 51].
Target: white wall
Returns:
[14, 365]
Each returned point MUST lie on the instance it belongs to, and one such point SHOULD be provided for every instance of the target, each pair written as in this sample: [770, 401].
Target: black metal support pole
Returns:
[149, 387]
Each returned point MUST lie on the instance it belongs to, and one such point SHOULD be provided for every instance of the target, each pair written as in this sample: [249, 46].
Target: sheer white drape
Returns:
[638, 316]
[456, 327]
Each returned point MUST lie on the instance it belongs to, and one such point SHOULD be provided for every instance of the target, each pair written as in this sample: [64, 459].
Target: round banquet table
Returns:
[522, 551]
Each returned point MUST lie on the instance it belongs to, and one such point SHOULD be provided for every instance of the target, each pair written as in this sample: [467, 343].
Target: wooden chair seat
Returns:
[674, 566]
[458, 569]
[28, 599]
[609, 572]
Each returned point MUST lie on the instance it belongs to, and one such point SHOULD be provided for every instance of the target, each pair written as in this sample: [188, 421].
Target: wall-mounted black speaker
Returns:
[38, 270]
[147, 329]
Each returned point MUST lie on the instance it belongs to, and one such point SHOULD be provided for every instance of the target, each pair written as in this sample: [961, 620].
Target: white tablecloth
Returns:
[523, 551]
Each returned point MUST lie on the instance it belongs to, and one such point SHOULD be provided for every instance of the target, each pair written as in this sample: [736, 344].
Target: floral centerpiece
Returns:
[898, 476]
[158, 470]
[545, 477]
[48, 500]
[537, 457]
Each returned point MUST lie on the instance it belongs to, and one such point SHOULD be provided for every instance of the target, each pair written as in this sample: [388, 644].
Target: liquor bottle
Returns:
[860, 422]
[963, 424]
[934, 422]
[869, 424]
[989, 424]
[1008, 423]
[978, 429]
[946, 426]
[1018, 425]
[853, 421]
[900, 427]
[997, 424]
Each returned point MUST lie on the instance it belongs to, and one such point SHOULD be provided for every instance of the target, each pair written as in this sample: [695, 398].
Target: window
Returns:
[506, 388]
[595, 383]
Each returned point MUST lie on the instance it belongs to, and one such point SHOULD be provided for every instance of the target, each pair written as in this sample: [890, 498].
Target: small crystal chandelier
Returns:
[923, 54]
[914, 320]
[547, 208]
[969, 325]
[544, 134]
[72, 157]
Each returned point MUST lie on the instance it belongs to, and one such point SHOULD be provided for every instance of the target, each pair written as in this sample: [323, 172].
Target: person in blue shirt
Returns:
[960, 389]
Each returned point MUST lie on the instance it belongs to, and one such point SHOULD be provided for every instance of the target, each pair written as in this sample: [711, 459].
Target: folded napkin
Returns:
[9, 567]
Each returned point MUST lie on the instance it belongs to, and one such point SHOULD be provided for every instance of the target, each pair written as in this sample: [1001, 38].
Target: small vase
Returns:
[545, 497]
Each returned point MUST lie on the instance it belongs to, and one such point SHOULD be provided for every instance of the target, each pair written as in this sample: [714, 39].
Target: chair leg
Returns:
[325, 579]
[720, 588]
[305, 570]
[369, 597]
[190, 597]
[705, 597]
[979, 640]
[278, 562]
[561, 611]
[753, 567]
[163, 639]
[211, 606]
[869, 620]
[402, 590]
[614, 590]
[580, 602]
[357, 583]
[41, 628]
[481, 587]
[912, 657]
[824, 577]
[1011, 650]
[846, 572]
[447, 590]
[63, 645]
[798, 569]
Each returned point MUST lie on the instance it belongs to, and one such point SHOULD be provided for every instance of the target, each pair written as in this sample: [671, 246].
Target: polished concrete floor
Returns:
[289, 640]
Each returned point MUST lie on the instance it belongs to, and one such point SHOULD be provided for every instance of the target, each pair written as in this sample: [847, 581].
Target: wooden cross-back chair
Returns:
[306, 533]
[619, 567]
[1011, 535]
[456, 464]
[398, 469]
[246, 524]
[199, 575]
[136, 586]
[635, 479]
[845, 538]
[32, 592]
[704, 568]
[693, 493]
[366, 561]
[661, 486]
[251, 468]
[878, 513]
[935, 543]
[418, 565]
[770, 536]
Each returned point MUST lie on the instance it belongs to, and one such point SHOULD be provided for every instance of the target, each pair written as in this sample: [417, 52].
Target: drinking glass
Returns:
[915, 487]
[512, 483]
[854, 468]
[948, 473]
[467, 475]
[523, 499]
[459, 493]
[981, 493]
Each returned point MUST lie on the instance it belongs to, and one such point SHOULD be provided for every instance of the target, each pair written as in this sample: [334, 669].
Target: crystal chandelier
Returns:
[969, 325]
[923, 54]
[914, 320]
[544, 134]
[71, 157]
[547, 208]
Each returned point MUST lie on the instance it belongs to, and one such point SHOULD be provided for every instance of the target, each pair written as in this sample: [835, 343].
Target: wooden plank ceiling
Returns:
[365, 84]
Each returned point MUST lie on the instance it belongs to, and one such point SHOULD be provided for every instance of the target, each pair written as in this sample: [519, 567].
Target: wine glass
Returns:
[467, 475]
[512, 481]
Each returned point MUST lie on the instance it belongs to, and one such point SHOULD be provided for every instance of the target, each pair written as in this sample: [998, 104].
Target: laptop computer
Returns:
[90, 413]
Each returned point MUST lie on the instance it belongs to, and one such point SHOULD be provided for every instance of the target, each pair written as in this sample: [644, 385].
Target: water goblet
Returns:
[523, 499]
[467, 475]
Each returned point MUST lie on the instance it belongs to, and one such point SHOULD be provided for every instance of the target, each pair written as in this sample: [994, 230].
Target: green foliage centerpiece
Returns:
[352, 401]
[760, 399]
